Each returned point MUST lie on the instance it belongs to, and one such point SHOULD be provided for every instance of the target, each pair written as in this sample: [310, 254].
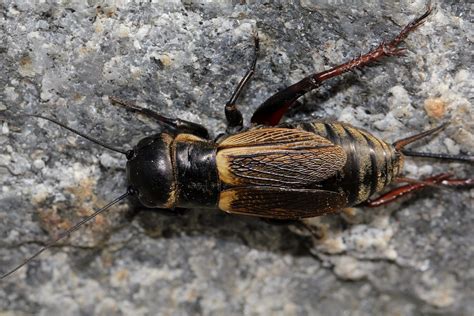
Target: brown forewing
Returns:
[278, 157]
[272, 136]
[280, 203]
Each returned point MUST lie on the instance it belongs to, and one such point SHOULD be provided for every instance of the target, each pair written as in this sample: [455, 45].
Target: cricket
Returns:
[269, 169]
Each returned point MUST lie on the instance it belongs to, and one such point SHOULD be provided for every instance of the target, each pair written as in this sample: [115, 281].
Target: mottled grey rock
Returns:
[183, 58]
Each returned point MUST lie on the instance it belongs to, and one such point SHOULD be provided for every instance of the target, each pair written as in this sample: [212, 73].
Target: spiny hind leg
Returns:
[440, 180]
[272, 110]
[174, 125]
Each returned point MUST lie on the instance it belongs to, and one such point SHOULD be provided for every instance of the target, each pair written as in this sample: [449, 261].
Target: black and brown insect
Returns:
[279, 171]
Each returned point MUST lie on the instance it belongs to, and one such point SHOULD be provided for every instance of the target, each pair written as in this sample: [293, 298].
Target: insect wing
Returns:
[280, 203]
[278, 157]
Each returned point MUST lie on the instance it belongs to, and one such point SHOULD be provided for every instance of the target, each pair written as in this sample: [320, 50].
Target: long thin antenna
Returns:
[67, 233]
[78, 133]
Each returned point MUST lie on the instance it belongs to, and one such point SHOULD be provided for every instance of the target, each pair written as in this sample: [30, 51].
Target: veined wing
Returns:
[278, 157]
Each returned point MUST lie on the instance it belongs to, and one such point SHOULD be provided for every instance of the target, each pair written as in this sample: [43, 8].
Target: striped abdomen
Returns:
[371, 163]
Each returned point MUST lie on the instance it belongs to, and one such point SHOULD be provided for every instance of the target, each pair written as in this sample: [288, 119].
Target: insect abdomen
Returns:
[371, 163]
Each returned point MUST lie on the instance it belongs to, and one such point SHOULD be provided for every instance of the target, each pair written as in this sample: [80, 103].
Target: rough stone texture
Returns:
[183, 58]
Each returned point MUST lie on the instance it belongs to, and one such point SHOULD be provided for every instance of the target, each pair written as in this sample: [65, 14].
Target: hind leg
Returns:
[273, 109]
[440, 180]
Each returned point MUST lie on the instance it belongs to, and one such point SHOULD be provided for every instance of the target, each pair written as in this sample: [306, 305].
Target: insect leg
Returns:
[440, 180]
[279, 222]
[232, 113]
[273, 109]
[314, 231]
[174, 125]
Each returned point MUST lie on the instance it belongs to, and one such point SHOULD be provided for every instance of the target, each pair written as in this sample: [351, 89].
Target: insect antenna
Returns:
[68, 232]
[78, 133]
[401, 143]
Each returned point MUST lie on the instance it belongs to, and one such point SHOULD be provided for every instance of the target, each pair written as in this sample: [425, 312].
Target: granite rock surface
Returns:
[183, 58]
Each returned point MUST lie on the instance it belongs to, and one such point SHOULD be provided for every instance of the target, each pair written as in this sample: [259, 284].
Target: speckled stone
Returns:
[183, 59]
